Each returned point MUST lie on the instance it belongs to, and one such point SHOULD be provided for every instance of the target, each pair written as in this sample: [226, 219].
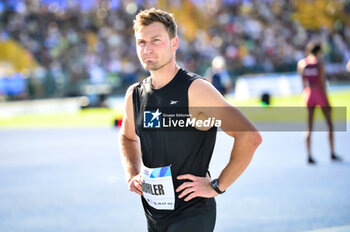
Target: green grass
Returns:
[105, 117]
[99, 117]
[337, 98]
[340, 100]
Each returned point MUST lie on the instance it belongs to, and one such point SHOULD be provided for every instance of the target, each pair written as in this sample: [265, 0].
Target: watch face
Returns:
[215, 183]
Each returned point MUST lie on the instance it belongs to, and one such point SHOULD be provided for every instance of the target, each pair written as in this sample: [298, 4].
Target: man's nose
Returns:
[148, 48]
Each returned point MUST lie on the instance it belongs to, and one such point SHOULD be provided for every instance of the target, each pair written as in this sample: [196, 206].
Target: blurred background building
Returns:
[60, 48]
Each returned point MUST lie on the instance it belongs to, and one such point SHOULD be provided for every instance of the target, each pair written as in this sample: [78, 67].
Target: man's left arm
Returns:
[205, 99]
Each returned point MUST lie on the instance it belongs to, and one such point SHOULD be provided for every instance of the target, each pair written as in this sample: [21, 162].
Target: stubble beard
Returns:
[156, 66]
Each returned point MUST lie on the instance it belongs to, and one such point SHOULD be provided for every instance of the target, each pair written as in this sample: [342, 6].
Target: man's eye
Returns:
[141, 43]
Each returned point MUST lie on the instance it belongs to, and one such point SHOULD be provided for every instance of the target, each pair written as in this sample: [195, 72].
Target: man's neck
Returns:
[164, 75]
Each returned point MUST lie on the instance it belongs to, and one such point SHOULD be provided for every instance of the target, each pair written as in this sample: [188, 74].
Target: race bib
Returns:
[158, 188]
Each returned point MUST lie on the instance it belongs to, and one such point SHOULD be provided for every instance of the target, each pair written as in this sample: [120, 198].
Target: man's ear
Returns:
[174, 43]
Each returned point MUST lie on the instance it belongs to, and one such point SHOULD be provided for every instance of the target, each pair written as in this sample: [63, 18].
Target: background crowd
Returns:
[77, 44]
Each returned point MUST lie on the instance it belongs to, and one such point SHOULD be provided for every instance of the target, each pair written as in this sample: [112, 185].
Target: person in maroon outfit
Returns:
[312, 71]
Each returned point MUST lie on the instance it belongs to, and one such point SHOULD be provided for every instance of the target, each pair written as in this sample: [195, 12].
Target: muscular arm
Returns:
[130, 146]
[207, 100]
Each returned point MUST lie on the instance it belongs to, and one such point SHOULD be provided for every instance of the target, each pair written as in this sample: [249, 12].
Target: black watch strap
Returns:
[215, 185]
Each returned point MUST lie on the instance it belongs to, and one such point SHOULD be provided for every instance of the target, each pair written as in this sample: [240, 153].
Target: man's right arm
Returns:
[130, 145]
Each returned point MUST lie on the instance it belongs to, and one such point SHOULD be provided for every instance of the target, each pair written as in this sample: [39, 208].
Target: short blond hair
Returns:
[147, 17]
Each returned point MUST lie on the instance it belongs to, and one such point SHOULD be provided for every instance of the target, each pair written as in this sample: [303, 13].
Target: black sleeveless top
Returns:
[187, 150]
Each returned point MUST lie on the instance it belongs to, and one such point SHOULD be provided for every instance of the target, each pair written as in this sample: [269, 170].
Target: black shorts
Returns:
[204, 222]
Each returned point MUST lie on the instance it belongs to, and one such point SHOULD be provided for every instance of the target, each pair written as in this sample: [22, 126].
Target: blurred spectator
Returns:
[219, 76]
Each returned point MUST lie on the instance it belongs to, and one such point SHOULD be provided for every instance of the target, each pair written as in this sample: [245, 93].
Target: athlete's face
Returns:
[154, 47]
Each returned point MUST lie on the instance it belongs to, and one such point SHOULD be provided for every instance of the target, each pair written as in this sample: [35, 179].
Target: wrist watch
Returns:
[215, 185]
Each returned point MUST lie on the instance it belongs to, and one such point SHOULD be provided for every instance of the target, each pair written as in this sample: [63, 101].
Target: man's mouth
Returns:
[148, 58]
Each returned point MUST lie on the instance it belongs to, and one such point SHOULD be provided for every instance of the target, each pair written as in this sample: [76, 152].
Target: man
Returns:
[218, 75]
[169, 168]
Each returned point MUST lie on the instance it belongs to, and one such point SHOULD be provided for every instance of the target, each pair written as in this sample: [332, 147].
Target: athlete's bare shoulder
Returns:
[301, 65]
[202, 99]
[203, 93]
[130, 90]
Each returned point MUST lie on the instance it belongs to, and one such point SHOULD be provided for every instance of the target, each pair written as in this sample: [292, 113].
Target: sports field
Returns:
[71, 179]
